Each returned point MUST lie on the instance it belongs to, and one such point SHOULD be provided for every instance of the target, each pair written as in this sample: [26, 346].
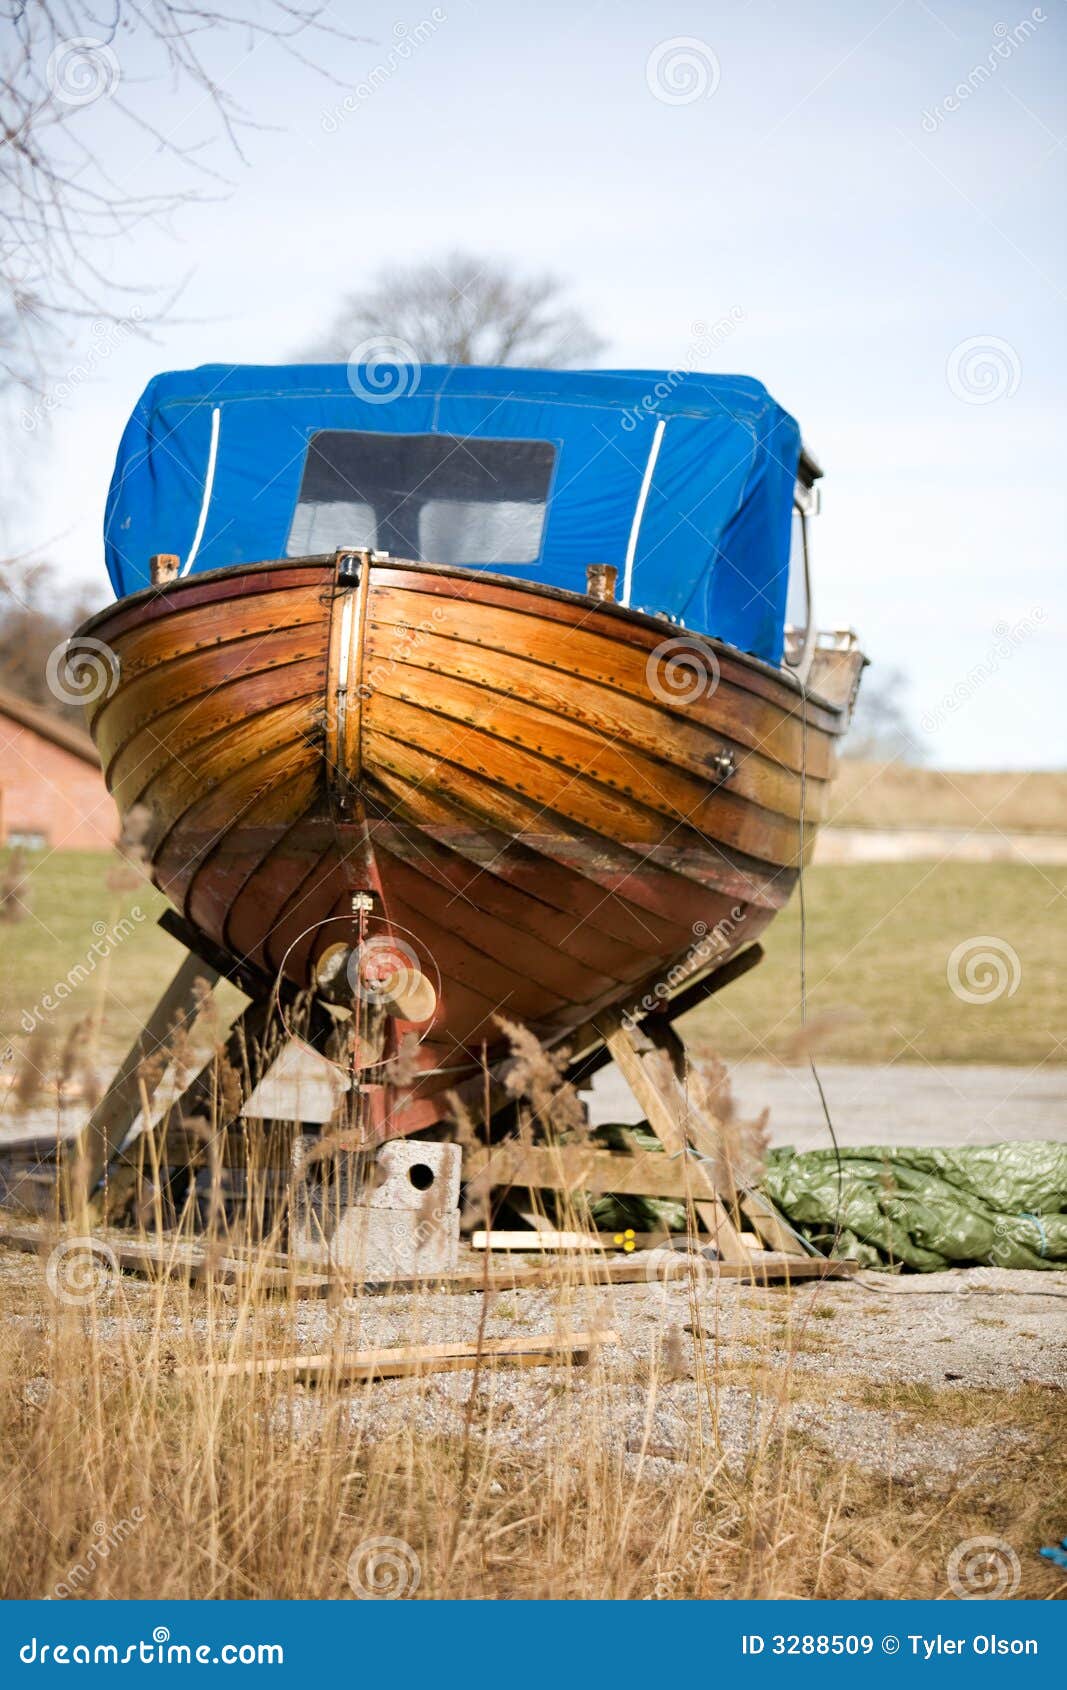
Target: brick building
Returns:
[52, 792]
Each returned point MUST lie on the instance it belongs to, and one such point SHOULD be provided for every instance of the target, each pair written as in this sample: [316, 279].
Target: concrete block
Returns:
[416, 1176]
[400, 1223]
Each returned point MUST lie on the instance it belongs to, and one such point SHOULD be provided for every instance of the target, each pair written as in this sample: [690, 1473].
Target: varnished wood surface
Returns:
[504, 766]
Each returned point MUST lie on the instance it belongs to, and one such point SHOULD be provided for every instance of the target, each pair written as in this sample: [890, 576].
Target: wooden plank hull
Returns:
[556, 804]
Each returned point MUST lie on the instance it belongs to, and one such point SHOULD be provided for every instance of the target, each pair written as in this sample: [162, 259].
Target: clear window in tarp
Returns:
[437, 498]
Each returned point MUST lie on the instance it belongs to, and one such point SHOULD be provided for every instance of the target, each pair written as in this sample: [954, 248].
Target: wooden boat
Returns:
[519, 800]
[500, 765]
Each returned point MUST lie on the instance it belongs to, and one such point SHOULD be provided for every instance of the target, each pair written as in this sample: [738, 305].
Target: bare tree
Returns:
[459, 310]
[37, 613]
[881, 728]
[83, 82]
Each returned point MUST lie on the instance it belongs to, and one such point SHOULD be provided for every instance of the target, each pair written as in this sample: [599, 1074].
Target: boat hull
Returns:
[554, 804]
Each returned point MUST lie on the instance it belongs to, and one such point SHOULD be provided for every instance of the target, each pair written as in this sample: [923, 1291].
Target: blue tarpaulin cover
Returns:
[683, 481]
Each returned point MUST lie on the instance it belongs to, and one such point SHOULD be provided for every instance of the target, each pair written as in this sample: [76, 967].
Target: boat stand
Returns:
[696, 1169]
[744, 1231]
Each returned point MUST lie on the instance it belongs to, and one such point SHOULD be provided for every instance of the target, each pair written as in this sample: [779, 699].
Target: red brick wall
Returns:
[46, 789]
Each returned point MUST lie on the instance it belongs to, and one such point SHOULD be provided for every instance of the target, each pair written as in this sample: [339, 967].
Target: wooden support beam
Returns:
[705, 1133]
[771, 1226]
[666, 1110]
[575, 1167]
[111, 1120]
[590, 1054]
[204, 1100]
[534, 1239]
[252, 981]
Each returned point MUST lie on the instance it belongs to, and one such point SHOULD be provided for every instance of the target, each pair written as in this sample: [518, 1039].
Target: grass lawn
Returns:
[69, 903]
[879, 942]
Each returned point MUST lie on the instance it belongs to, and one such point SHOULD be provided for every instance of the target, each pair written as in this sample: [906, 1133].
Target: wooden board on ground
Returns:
[547, 1240]
[272, 1272]
[405, 1360]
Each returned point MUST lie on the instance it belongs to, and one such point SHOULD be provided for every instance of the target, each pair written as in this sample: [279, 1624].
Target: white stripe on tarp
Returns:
[209, 482]
[642, 500]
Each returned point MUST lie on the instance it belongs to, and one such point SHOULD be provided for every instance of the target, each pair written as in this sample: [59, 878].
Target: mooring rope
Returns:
[804, 962]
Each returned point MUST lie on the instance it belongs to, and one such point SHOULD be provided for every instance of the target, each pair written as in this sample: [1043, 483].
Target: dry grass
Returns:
[123, 1476]
[898, 795]
[155, 1485]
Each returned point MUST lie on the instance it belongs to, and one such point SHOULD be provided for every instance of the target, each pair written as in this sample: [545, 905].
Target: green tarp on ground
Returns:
[997, 1205]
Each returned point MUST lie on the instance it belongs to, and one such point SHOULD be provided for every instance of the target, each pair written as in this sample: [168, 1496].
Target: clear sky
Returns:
[868, 197]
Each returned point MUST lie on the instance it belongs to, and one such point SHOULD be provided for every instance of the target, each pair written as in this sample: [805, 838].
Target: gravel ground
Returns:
[845, 1364]
[805, 1354]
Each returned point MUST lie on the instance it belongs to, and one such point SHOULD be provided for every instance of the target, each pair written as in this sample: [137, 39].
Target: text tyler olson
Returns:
[926, 1647]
